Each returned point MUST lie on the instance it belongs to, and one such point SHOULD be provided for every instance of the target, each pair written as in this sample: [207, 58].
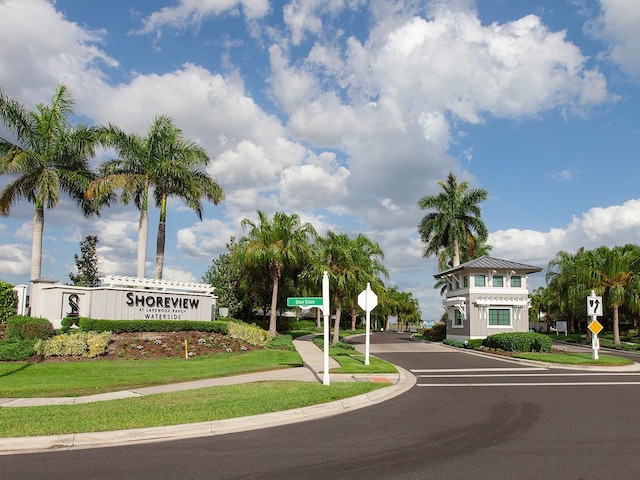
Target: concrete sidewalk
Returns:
[313, 360]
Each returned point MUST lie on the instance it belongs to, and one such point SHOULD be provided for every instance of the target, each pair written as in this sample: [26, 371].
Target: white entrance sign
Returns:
[123, 298]
[367, 300]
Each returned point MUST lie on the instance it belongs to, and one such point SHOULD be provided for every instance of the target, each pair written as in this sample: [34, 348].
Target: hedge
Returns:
[519, 342]
[124, 326]
[21, 327]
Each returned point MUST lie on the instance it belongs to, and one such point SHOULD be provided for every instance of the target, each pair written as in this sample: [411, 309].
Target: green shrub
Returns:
[77, 344]
[306, 325]
[475, 342]
[8, 301]
[436, 333]
[15, 350]
[122, 326]
[67, 322]
[21, 327]
[281, 342]
[251, 334]
[519, 342]
[453, 343]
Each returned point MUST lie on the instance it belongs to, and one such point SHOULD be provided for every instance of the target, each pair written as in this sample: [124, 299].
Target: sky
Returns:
[346, 112]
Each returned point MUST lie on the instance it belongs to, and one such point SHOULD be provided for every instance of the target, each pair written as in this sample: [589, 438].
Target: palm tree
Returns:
[48, 156]
[130, 173]
[163, 161]
[350, 265]
[614, 275]
[179, 174]
[455, 219]
[277, 245]
[406, 309]
[568, 278]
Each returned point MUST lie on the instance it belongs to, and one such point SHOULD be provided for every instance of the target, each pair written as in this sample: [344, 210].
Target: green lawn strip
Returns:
[192, 406]
[572, 358]
[71, 379]
[352, 361]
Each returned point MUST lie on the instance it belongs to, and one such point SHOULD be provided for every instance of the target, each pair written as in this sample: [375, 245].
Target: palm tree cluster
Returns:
[613, 273]
[48, 156]
[293, 257]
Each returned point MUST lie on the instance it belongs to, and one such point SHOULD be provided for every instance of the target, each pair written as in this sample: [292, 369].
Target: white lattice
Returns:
[152, 283]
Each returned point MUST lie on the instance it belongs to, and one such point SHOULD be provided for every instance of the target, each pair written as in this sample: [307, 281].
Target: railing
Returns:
[155, 284]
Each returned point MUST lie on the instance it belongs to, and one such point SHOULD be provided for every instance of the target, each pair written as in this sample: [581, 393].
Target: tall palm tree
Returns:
[455, 220]
[47, 156]
[164, 162]
[179, 173]
[131, 174]
[278, 244]
[350, 263]
[614, 275]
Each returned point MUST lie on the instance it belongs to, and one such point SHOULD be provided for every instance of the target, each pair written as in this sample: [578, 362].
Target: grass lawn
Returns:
[72, 379]
[191, 406]
[352, 361]
[572, 358]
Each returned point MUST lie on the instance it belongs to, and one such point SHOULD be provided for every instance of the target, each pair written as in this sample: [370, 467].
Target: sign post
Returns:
[367, 300]
[327, 315]
[594, 310]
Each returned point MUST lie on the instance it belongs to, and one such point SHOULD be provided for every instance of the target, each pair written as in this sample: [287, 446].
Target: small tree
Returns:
[8, 301]
[86, 264]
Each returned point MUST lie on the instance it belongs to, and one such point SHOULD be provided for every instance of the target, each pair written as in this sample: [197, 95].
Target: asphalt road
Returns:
[469, 416]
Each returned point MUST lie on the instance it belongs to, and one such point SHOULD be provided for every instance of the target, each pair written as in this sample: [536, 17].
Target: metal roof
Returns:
[487, 262]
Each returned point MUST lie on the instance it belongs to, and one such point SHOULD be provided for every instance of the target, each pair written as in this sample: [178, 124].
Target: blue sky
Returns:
[346, 112]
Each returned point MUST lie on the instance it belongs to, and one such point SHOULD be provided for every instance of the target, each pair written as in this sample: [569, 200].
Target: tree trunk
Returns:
[456, 252]
[616, 326]
[387, 322]
[336, 323]
[318, 318]
[161, 239]
[36, 244]
[143, 234]
[274, 305]
[354, 314]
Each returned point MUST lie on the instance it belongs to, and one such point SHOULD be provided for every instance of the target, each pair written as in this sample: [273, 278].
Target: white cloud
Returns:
[50, 50]
[613, 225]
[206, 239]
[193, 12]
[618, 24]
[15, 259]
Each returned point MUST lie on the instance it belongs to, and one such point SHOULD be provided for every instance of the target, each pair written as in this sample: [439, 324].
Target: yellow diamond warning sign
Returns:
[595, 327]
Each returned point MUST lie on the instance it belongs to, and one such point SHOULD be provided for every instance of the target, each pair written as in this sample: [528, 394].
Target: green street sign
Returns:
[304, 302]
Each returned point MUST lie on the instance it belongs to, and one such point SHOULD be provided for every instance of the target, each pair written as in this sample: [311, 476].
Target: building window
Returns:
[457, 318]
[516, 281]
[479, 280]
[498, 281]
[465, 281]
[500, 317]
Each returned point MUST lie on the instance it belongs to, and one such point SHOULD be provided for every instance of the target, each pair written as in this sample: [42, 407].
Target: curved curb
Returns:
[15, 445]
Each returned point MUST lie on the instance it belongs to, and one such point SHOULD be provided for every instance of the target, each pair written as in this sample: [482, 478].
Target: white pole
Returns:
[367, 326]
[327, 315]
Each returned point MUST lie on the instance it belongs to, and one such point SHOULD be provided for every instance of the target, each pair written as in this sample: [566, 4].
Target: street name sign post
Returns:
[323, 304]
[594, 310]
[367, 300]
